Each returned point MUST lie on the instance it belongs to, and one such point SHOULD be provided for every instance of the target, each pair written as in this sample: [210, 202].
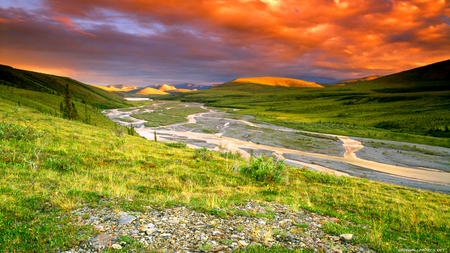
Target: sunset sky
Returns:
[145, 42]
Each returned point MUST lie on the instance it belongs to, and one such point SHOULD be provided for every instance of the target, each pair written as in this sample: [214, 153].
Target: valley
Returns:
[407, 164]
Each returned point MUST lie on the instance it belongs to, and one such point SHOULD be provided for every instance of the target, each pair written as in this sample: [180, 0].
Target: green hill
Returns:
[51, 167]
[274, 81]
[50, 84]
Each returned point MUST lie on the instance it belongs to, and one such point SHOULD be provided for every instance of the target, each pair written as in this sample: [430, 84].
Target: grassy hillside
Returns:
[55, 85]
[411, 106]
[50, 166]
[276, 81]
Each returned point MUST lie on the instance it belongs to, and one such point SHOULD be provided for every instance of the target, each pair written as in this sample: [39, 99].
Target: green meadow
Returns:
[50, 166]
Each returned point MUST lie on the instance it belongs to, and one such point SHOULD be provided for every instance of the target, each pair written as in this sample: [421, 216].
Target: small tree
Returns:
[68, 107]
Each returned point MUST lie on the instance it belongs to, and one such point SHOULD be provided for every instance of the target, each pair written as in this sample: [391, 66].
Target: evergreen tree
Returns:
[68, 109]
[73, 112]
[67, 103]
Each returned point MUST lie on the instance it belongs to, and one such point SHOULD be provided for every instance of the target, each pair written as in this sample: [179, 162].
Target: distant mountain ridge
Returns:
[156, 89]
[276, 81]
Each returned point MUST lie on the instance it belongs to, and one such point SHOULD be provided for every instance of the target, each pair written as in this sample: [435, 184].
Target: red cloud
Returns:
[231, 38]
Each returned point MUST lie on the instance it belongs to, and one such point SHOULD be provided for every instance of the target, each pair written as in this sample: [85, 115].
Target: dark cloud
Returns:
[145, 42]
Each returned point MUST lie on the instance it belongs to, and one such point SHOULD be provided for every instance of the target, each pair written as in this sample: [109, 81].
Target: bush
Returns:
[176, 144]
[203, 154]
[264, 169]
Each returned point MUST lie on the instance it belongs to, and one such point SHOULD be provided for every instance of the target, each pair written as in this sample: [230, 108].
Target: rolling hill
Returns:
[55, 85]
[358, 80]
[150, 91]
[45, 93]
[275, 81]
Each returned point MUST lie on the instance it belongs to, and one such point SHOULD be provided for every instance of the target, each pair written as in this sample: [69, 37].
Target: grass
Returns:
[49, 166]
[126, 120]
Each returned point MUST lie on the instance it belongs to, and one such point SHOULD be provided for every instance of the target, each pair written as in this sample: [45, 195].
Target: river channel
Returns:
[418, 166]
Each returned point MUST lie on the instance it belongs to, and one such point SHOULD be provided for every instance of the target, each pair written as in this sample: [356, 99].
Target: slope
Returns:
[51, 84]
[150, 91]
[358, 80]
[82, 167]
[276, 81]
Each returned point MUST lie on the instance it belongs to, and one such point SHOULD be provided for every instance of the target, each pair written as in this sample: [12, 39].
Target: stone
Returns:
[150, 231]
[116, 246]
[216, 232]
[347, 237]
[243, 243]
[262, 222]
[166, 235]
[126, 219]
[101, 241]
[173, 221]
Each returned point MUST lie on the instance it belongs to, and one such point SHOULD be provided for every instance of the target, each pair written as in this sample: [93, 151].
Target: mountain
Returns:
[190, 86]
[117, 87]
[163, 87]
[56, 85]
[276, 81]
[150, 91]
[353, 81]
[177, 88]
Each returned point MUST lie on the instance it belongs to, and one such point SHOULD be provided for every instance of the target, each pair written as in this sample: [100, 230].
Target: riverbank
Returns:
[329, 153]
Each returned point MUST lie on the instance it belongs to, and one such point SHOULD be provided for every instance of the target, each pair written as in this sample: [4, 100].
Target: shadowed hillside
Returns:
[55, 85]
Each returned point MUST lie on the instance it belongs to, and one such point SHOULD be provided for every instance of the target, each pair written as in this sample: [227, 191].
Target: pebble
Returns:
[179, 229]
[347, 237]
[116, 246]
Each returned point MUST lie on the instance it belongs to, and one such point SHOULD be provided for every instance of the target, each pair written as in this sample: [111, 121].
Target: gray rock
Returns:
[102, 241]
[126, 219]
[173, 221]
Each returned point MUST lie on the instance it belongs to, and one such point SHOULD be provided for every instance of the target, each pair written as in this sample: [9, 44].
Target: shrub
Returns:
[203, 154]
[264, 169]
[231, 155]
[175, 144]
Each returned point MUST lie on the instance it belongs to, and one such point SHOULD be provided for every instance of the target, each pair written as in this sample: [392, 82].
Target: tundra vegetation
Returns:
[50, 165]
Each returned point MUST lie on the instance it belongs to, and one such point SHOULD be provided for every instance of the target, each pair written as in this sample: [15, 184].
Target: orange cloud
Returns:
[69, 24]
[222, 39]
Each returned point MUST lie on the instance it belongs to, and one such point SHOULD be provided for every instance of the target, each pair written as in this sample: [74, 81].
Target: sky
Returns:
[147, 42]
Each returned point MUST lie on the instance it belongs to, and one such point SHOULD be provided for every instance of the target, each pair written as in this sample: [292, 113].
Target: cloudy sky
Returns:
[145, 42]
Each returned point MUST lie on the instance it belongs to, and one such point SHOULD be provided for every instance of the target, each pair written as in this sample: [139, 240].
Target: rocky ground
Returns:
[179, 229]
